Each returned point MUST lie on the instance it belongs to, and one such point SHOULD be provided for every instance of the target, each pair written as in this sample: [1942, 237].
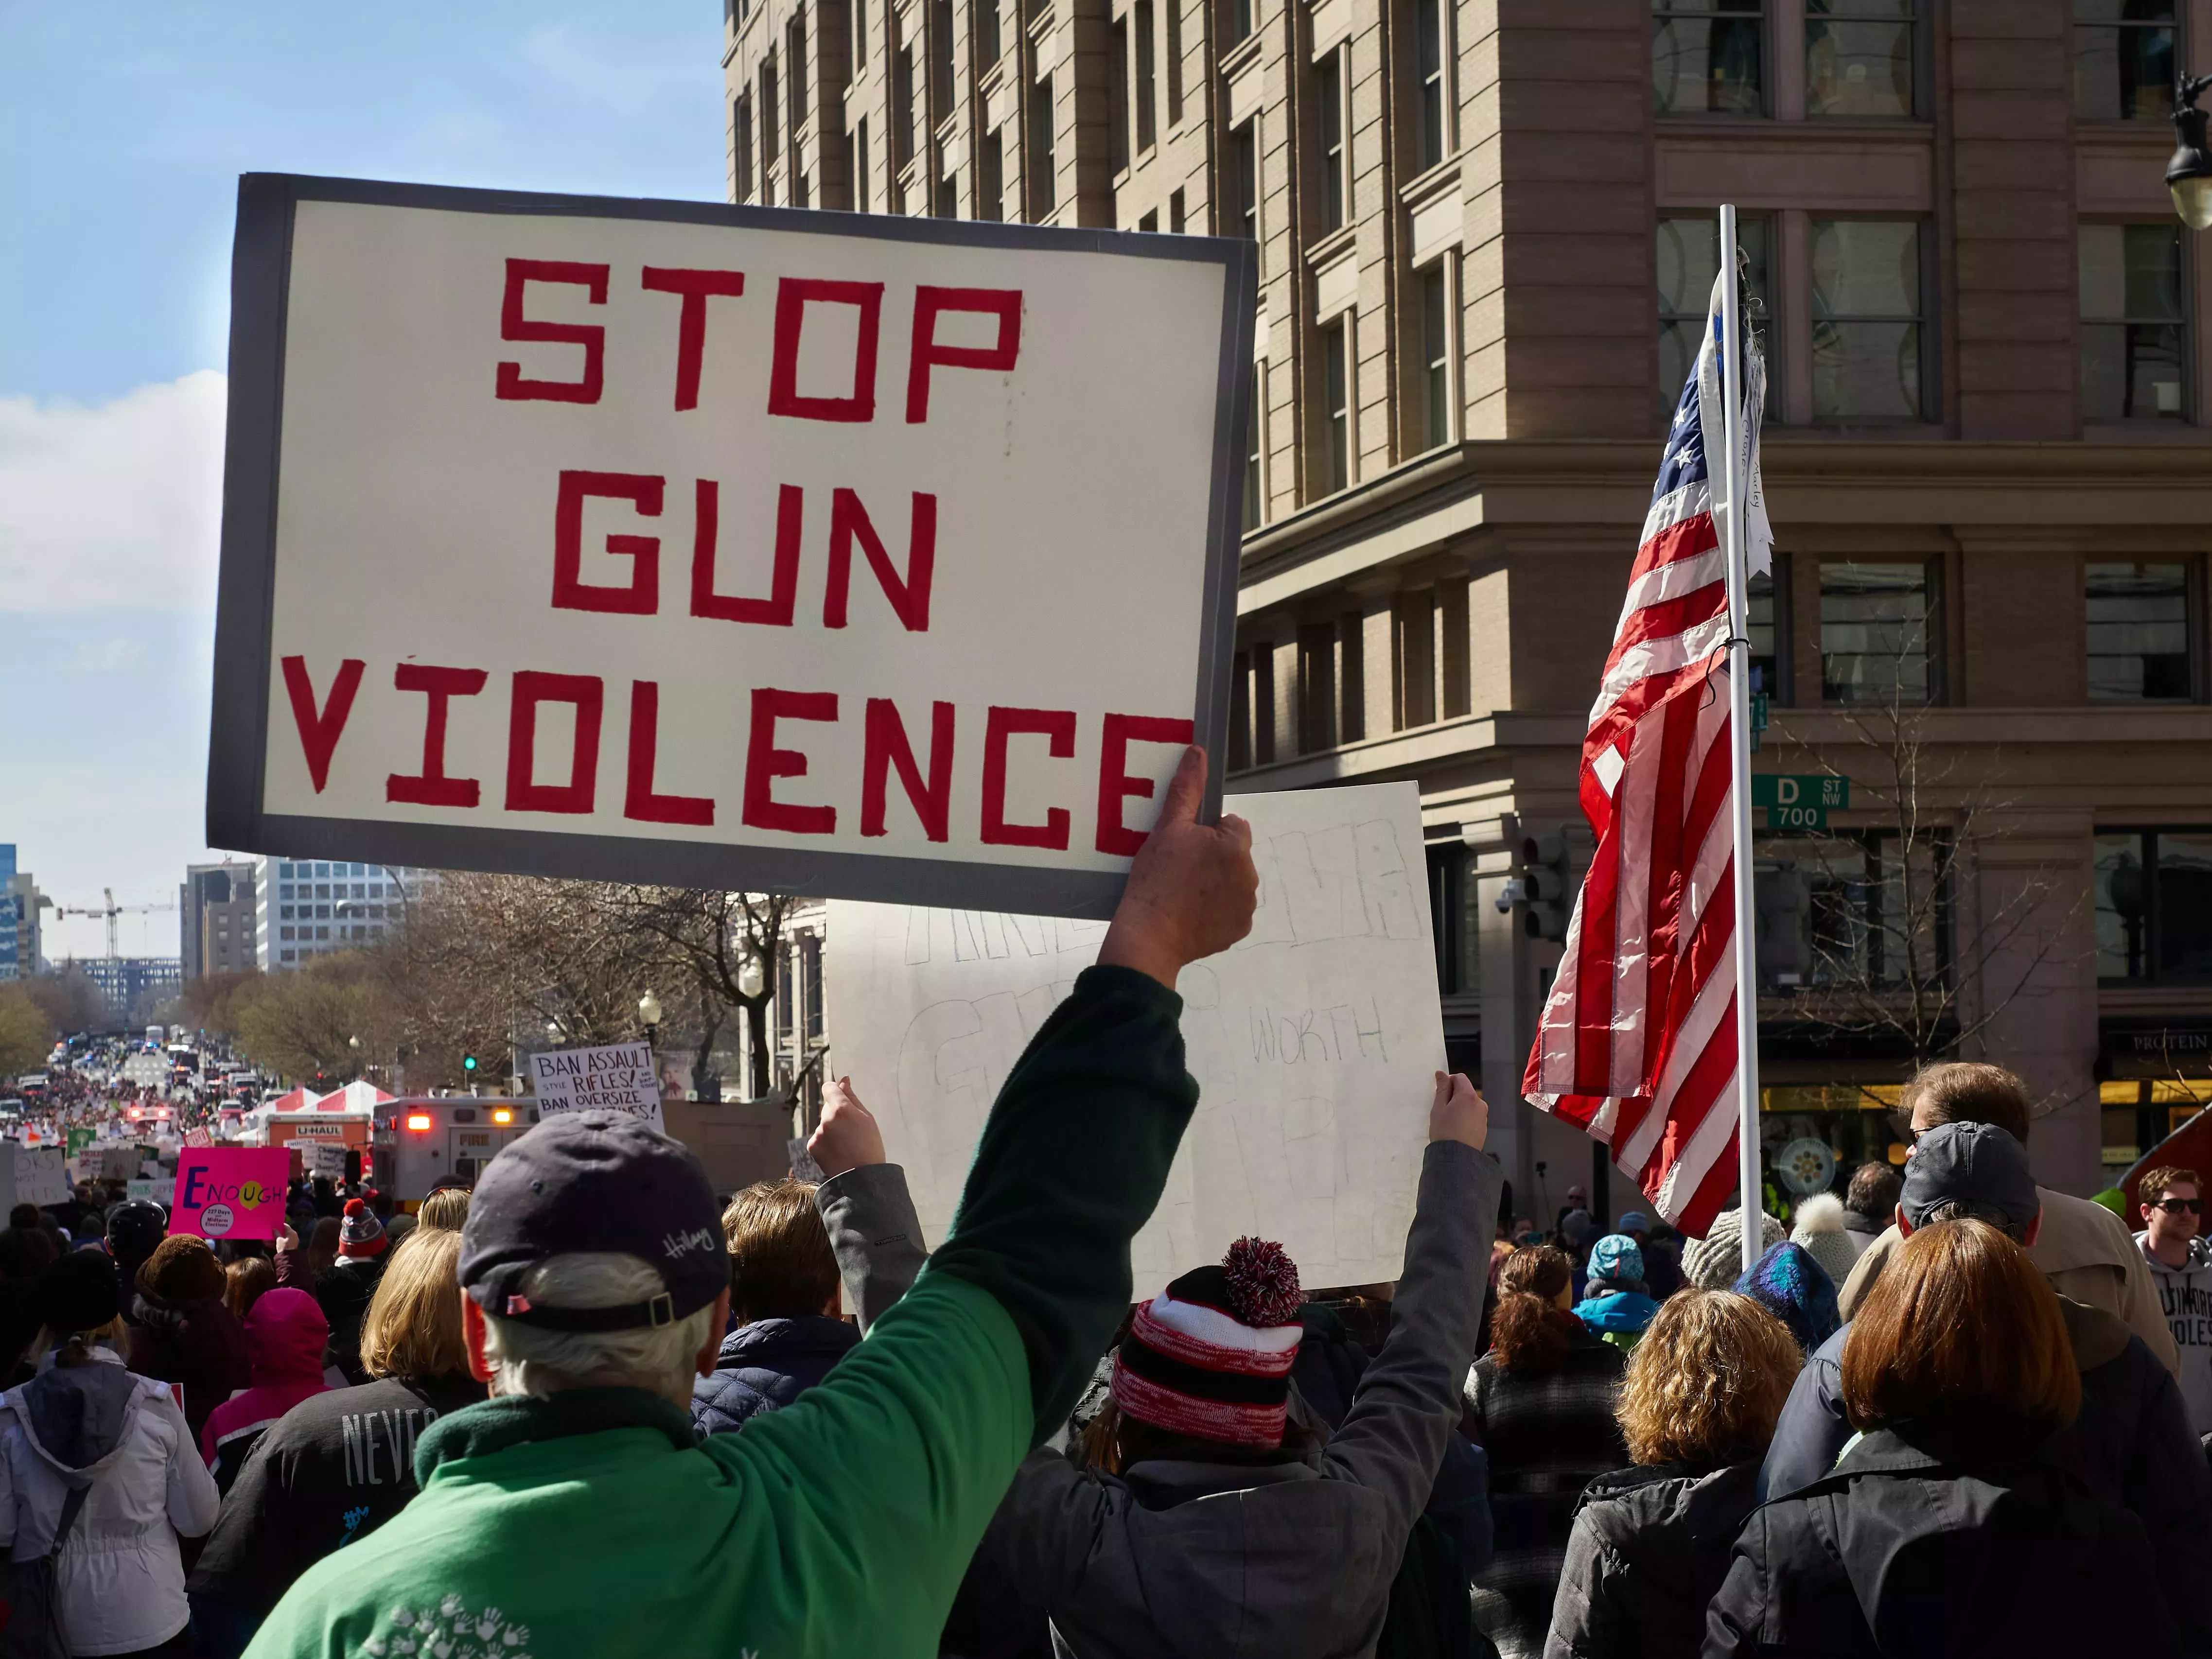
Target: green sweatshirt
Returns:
[591, 1524]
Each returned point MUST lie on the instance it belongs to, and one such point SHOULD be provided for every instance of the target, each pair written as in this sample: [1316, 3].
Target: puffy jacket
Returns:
[119, 1582]
[284, 1336]
[1650, 1547]
[1903, 1555]
[2130, 1444]
[200, 1346]
[765, 1364]
[1618, 1316]
[1176, 1557]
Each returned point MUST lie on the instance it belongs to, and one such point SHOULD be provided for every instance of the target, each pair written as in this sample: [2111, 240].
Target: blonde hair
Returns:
[445, 1210]
[1706, 1383]
[76, 1347]
[413, 1326]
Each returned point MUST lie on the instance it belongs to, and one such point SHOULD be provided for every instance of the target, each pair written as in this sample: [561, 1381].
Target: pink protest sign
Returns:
[230, 1191]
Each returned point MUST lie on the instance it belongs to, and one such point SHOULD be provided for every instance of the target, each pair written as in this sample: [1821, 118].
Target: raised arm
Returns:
[874, 1232]
[921, 1426]
[1408, 1400]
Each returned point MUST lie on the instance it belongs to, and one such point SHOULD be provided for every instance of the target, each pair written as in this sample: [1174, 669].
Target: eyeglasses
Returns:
[2192, 1205]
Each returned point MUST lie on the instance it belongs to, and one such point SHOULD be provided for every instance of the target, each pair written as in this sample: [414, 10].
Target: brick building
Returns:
[215, 919]
[1487, 231]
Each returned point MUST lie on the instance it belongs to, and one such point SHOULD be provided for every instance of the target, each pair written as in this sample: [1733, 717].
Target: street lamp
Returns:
[2189, 172]
[750, 978]
[648, 1009]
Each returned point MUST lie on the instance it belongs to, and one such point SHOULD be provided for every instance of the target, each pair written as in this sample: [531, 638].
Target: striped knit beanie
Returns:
[1210, 1355]
[360, 1234]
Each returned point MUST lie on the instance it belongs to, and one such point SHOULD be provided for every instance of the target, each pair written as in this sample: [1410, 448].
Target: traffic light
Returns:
[1541, 885]
[468, 1064]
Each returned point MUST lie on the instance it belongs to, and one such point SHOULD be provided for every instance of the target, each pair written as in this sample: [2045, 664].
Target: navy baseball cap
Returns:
[594, 1181]
[1977, 1163]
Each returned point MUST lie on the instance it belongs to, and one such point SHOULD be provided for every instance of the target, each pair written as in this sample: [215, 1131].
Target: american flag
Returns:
[1638, 1042]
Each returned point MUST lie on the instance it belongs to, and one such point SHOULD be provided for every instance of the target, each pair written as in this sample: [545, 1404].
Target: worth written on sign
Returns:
[733, 547]
[618, 1077]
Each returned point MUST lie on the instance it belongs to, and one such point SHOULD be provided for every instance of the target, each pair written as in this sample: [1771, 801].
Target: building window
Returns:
[1147, 56]
[1766, 605]
[1688, 263]
[1176, 212]
[325, 870]
[284, 933]
[1414, 654]
[1242, 20]
[1429, 68]
[1858, 58]
[1708, 56]
[1117, 98]
[767, 131]
[810, 956]
[2154, 905]
[2138, 632]
[1316, 688]
[863, 187]
[987, 47]
[1256, 453]
[859, 36]
[991, 177]
[1336, 405]
[902, 108]
[1263, 703]
[322, 932]
[940, 60]
[290, 956]
[284, 913]
[1175, 62]
[1240, 711]
[2122, 60]
[1868, 363]
[1877, 635]
[1435, 356]
[284, 870]
[1352, 677]
[741, 137]
[795, 52]
[1328, 112]
[1037, 170]
[2134, 332]
[1245, 181]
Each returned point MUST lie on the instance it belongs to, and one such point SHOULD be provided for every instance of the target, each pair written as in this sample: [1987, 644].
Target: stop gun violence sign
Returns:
[673, 541]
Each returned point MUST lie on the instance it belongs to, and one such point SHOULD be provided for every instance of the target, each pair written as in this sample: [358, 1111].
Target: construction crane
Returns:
[110, 910]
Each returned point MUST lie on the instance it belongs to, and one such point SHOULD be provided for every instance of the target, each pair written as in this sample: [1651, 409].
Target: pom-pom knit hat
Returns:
[360, 1234]
[1211, 1355]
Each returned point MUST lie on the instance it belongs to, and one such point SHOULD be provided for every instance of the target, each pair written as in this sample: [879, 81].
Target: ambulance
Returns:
[415, 1143]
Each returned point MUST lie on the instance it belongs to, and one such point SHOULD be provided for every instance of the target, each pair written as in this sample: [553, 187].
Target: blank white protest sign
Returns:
[1314, 1042]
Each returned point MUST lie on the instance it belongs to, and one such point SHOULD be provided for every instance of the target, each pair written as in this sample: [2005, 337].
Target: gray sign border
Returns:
[239, 725]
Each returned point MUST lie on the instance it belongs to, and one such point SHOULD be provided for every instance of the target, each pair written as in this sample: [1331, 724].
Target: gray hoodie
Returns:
[2184, 1295]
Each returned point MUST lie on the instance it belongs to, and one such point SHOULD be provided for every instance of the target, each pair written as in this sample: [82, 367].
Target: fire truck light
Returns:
[418, 1120]
[502, 1115]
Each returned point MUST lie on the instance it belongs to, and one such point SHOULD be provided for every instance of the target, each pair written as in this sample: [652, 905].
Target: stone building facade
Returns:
[1486, 230]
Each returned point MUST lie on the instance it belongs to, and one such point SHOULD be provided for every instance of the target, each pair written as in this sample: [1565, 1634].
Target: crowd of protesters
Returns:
[591, 1408]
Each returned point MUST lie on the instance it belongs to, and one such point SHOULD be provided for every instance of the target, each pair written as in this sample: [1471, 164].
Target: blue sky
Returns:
[124, 128]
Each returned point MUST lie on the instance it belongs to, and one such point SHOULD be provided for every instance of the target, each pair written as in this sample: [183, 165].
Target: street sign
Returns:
[1799, 801]
[673, 542]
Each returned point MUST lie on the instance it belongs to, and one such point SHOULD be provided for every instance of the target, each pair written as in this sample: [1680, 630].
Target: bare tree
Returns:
[728, 942]
[1906, 945]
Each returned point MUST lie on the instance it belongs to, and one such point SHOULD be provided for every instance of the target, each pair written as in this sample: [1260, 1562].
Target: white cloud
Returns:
[117, 506]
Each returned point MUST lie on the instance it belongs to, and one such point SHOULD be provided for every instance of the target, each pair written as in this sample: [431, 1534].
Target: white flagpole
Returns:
[1735, 487]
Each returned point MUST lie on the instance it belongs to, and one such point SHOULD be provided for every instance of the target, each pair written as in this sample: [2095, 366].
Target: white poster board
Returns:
[674, 542]
[33, 1174]
[618, 1077]
[323, 1157]
[146, 1189]
[1314, 1042]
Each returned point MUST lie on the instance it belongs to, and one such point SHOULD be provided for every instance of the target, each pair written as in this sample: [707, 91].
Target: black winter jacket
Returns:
[2130, 1446]
[1900, 1555]
[1650, 1547]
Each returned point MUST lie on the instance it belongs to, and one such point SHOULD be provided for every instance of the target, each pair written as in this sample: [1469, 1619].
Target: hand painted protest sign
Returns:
[230, 1191]
[725, 546]
[33, 1174]
[1314, 1042]
[618, 1077]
